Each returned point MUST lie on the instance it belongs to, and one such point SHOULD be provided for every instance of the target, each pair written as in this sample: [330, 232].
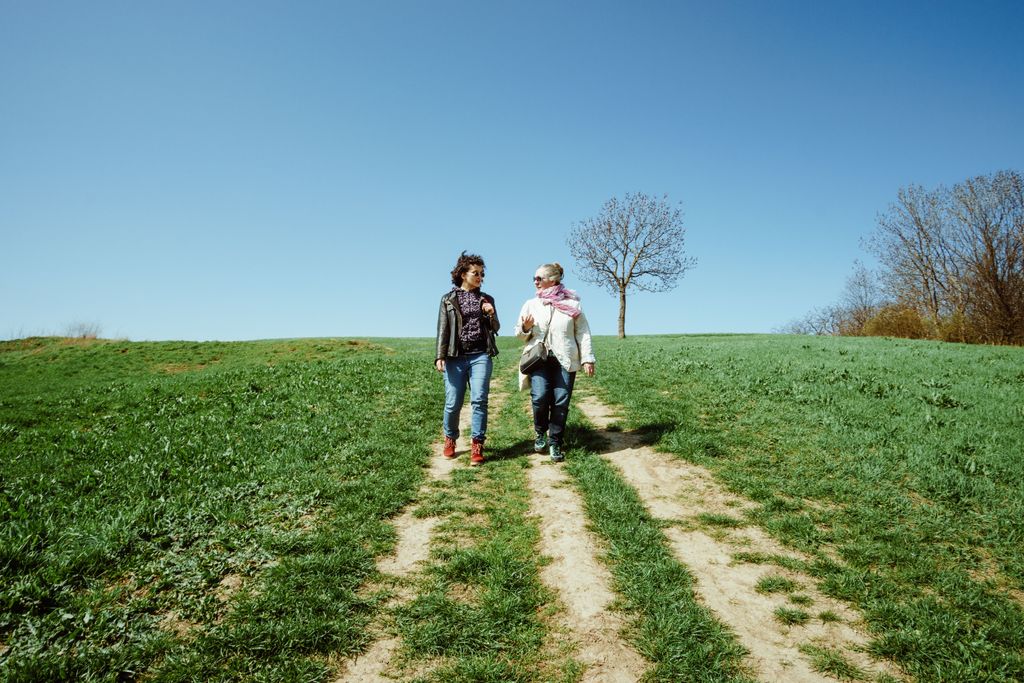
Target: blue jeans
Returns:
[551, 389]
[475, 370]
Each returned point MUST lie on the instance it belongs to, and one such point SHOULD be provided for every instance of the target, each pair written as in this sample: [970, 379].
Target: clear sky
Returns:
[248, 170]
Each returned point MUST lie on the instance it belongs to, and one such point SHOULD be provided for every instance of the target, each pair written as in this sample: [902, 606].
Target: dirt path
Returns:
[672, 490]
[577, 576]
[675, 490]
[412, 550]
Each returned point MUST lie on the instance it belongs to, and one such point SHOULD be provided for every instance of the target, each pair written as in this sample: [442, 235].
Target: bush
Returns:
[897, 321]
[83, 330]
[958, 328]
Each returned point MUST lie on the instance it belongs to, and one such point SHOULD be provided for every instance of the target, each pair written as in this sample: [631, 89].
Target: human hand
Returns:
[588, 369]
[439, 364]
[527, 322]
[487, 308]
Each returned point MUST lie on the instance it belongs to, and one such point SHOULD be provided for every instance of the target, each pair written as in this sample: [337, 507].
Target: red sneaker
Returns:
[477, 453]
[449, 447]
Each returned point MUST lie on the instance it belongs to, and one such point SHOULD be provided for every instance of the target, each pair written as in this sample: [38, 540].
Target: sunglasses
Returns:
[538, 278]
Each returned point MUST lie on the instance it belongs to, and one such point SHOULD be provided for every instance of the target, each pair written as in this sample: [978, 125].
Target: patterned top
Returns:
[472, 336]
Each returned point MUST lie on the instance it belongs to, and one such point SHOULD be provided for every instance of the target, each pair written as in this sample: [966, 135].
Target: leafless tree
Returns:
[636, 242]
[912, 244]
[956, 255]
[860, 300]
[987, 236]
[825, 320]
[952, 267]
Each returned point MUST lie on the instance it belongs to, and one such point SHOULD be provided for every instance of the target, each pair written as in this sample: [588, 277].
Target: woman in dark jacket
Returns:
[466, 324]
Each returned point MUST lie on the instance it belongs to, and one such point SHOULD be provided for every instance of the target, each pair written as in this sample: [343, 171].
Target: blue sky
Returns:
[228, 170]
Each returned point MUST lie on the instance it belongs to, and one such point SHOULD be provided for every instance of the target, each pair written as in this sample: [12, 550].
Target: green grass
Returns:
[712, 519]
[791, 617]
[668, 625]
[478, 608]
[214, 511]
[903, 457]
[776, 584]
[139, 477]
[833, 663]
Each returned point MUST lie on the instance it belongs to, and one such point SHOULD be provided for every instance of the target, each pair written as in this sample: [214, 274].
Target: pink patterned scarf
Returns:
[555, 296]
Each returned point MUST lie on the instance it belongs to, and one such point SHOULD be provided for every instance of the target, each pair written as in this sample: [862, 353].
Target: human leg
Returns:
[456, 374]
[480, 367]
[562, 383]
[540, 398]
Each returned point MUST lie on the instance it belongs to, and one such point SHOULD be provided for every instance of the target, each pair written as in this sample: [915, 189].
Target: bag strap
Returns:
[547, 329]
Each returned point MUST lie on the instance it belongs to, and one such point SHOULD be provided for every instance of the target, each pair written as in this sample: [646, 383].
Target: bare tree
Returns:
[912, 244]
[637, 243]
[952, 262]
[860, 300]
[823, 321]
[987, 236]
[957, 256]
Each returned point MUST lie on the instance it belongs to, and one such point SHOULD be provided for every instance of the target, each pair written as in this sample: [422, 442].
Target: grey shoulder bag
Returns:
[534, 355]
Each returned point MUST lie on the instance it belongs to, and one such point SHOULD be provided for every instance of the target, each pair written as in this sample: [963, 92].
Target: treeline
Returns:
[951, 268]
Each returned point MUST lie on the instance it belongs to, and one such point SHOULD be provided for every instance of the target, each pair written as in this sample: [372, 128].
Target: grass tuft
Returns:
[791, 617]
[720, 520]
[776, 584]
[833, 663]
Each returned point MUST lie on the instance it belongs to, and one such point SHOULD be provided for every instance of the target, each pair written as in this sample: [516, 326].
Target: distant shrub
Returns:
[897, 321]
[958, 328]
[82, 330]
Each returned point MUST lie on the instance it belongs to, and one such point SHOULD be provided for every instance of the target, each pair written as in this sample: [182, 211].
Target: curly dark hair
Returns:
[463, 264]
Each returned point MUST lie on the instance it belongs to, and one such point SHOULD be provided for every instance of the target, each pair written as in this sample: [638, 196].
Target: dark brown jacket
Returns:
[449, 324]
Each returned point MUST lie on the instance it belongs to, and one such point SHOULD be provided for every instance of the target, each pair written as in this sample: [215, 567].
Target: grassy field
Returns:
[904, 458]
[144, 484]
[185, 511]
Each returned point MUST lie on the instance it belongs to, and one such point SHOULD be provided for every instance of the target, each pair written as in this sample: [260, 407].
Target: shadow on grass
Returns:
[519, 449]
[590, 439]
[652, 434]
[598, 441]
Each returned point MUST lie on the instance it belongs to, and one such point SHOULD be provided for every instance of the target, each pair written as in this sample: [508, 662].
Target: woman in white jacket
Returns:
[555, 316]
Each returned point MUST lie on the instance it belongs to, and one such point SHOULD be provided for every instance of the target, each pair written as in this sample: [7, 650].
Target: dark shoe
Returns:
[449, 447]
[556, 452]
[540, 443]
[477, 453]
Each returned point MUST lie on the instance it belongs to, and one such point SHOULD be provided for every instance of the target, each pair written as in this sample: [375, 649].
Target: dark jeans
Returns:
[551, 389]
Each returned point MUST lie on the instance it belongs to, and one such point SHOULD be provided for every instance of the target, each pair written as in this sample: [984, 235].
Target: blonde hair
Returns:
[553, 271]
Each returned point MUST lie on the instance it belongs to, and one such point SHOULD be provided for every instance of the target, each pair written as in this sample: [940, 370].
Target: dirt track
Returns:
[676, 491]
[672, 490]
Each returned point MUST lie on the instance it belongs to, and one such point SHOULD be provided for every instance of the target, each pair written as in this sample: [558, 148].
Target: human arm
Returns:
[524, 323]
[585, 343]
[490, 313]
[442, 337]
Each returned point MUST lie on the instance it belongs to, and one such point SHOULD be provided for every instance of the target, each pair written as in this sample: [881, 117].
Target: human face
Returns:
[473, 278]
[541, 280]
